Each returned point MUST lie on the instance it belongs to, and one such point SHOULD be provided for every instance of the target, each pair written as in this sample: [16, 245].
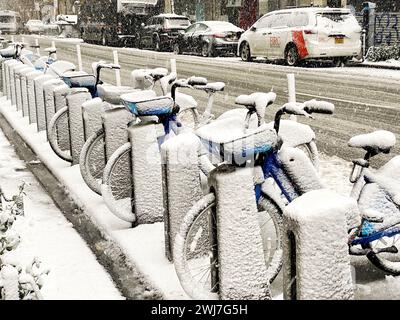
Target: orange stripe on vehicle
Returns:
[298, 39]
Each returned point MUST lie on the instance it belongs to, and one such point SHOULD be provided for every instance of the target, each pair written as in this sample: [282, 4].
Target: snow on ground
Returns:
[388, 63]
[144, 244]
[45, 233]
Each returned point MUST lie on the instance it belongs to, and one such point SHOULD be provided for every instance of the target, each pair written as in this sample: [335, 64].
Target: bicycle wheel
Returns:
[189, 118]
[92, 160]
[117, 186]
[389, 262]
[196, 253]
[58, 134]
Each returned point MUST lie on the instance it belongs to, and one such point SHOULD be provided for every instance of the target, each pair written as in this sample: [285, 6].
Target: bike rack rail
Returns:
[316, 260]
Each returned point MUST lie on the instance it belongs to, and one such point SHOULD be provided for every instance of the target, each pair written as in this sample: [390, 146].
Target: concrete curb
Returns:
[375, 66]
[122, 270]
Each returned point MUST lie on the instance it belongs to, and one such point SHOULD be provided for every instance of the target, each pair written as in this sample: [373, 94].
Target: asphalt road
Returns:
[365, 99]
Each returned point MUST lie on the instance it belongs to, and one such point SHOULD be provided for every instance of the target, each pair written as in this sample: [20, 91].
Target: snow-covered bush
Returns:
[16, 282]
[383, 53]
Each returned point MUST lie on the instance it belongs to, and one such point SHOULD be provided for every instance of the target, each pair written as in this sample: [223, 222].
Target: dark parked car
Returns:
[160, 30]
[209, 38]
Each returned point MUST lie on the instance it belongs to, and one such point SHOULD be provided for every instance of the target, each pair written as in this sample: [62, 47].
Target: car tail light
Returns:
[309, 31]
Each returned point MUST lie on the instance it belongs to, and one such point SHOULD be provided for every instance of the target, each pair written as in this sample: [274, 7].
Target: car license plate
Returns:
[339, 40]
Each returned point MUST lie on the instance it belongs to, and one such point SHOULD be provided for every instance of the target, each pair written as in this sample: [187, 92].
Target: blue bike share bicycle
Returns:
[281, 174]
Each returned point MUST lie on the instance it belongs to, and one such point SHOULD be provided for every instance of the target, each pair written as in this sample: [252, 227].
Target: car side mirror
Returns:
[253, 28]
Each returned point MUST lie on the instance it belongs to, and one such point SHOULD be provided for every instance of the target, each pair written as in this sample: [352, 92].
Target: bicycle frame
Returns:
[272, 169]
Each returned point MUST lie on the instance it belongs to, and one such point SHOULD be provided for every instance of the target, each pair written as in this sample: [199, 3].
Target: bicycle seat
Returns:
[146, 103]
[228, 139]
[79, 79]
[251, 101]
[376, 142]
[212, 87]
[141, 74]
[112, 94]
[184, 101]
[8, 52]
[60, 67]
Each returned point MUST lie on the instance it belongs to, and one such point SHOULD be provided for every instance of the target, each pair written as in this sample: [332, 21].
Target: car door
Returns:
[188, 38]
[198, 36]
[258, 36]
[278, 35]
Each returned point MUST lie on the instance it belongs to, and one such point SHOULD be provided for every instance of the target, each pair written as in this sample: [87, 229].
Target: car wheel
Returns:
[176, 49]
[339, 62]
[245, 53]
[205, 50]
[292, 56]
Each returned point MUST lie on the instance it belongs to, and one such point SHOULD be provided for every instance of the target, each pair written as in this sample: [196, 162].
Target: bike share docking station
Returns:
[316, 260]
[181, 182]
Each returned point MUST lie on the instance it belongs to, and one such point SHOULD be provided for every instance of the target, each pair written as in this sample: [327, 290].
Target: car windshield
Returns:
[177, 22]
[7, 19]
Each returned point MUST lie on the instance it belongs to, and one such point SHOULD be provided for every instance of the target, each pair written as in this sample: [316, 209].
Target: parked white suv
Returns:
[303, 33]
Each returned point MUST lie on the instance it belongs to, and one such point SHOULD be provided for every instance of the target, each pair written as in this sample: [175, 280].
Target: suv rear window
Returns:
[335, 19]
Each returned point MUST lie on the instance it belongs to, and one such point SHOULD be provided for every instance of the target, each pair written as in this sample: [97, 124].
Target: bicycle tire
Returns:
[189, 118]
[91, 168]
[53, 133]
[122, 208]
[380, 261]
[182, 243]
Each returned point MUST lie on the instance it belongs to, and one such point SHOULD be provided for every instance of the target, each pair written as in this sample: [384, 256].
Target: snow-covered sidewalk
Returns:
[45, 233]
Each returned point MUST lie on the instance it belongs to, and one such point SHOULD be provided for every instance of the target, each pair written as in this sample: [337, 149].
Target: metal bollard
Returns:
[242, 271]
[316, 261]
[147, 172]
[75, 99]
[24, 90]
[49, 98]
[18, 85]
[39, 96]
[181, 182]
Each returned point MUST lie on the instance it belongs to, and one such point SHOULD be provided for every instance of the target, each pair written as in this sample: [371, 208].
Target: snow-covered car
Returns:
[209, 38]
[299, 34]
[34, 26]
